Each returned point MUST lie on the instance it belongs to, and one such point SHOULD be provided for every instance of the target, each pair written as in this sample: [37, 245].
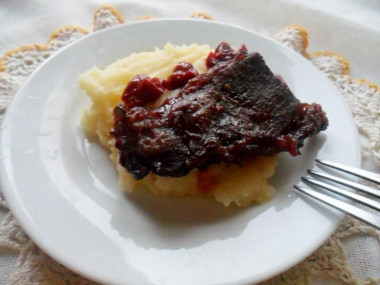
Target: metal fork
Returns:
[362, 215]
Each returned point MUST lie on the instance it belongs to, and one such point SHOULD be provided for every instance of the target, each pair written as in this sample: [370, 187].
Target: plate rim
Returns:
[21, 216]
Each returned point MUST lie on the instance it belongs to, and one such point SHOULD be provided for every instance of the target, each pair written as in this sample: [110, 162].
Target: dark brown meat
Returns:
[234, 111]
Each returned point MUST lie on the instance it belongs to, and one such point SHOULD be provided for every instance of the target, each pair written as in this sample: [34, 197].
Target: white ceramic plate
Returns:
[64, 192]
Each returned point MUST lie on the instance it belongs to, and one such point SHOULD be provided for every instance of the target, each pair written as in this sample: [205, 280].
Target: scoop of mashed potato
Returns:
[227, 183]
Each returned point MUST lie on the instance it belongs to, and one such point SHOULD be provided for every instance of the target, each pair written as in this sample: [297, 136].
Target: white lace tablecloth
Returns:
[352, 254]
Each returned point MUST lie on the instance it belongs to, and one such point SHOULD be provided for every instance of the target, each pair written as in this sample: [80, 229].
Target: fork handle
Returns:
[370, 176]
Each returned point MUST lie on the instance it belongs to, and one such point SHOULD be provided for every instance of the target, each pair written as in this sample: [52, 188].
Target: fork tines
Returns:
[370, 176]
[367, 217]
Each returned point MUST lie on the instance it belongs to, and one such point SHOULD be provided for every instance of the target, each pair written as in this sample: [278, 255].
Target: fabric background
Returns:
[351, 28]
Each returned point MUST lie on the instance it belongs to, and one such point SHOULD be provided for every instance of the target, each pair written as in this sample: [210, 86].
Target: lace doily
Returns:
[350, 256]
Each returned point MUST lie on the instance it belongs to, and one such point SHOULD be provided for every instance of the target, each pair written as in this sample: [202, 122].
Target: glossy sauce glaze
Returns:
[236, 110]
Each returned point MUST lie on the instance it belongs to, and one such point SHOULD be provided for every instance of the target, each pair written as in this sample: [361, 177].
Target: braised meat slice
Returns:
[234, 111]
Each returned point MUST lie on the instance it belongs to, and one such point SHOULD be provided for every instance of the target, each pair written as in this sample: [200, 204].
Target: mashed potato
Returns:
[226, 183]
